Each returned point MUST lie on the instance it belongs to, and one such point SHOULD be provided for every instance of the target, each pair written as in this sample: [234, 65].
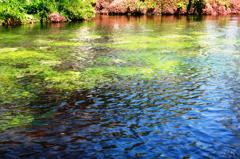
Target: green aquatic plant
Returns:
[149, 43]
[65, 43]
[15, 121]
[148, 39]
[11, 89]
[15, 66]
[60, 63]
[23, 57]
[23, 72]
[154, 61]
[101, 75]
[9, 36]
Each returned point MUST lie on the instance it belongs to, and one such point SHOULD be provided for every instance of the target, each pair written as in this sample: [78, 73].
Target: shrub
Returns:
[41, 7]
[12, 12]
[76, 9]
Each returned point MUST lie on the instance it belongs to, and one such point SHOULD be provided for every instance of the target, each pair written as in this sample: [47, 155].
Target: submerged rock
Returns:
[57, 18]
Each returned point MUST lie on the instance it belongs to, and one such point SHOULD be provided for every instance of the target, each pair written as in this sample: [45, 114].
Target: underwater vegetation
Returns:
[36, 62]
[64, 67]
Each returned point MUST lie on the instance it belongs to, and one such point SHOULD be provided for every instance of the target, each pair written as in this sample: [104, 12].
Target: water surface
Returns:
[121, 87]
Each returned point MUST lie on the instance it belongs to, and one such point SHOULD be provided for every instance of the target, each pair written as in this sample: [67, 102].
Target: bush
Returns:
[76, 9]
[41, 8]
[12, 12]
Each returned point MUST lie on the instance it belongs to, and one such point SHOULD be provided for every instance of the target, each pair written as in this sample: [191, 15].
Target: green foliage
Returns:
[12, 12]
[40, 7]
[228, 5]
[151, 3]
[199, 5]
[140, 5]
[181, 5]
[76, 9]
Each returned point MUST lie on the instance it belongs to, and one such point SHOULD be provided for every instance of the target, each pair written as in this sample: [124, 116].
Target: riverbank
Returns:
[211, 7]
[16, 12]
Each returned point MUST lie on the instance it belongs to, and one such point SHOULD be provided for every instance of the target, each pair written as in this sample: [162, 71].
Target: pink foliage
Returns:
[229, 11]
[208, 9]
[221, 9]
[118, 6]
[157, 10]
[166, 7]
[182, 11]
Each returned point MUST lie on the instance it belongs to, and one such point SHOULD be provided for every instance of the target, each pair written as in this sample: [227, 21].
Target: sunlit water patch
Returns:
[121, 87]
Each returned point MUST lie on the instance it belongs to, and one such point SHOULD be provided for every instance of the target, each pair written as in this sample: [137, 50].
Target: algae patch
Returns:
[149, 42]
[23, 57]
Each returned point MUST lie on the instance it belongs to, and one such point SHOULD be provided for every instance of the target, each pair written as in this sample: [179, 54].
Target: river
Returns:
[121, 87]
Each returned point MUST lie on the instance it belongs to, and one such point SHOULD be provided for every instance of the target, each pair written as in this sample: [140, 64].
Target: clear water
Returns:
[185, 104]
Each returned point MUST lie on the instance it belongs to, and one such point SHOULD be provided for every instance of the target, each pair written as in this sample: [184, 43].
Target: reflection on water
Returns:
[166, 87]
